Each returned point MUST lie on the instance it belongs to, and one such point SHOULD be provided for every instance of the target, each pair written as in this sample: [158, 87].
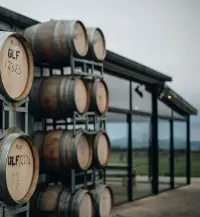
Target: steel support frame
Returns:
[130, 153]
[154, 146]
[171, 163]
[154, 136]
[188, 152]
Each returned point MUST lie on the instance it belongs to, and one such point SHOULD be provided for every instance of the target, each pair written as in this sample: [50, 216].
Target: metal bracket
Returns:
[12, 211]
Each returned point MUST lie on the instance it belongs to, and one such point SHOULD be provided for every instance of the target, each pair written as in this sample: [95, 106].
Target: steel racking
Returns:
[90, 122]
[8, 124]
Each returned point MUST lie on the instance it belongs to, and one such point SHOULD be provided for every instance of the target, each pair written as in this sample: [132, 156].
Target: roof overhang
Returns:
[175, 101]
[114, 64]
[134, 70]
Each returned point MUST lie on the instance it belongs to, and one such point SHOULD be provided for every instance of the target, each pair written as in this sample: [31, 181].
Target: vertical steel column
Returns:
[171, 163]
[154, 135]
[188, 150]
[130, 167]
[150, 152]
[12, 118]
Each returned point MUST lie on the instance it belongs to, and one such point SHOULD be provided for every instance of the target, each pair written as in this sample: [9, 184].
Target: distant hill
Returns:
[163, 143]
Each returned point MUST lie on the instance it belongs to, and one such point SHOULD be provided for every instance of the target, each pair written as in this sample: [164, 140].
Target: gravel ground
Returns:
[183, 202]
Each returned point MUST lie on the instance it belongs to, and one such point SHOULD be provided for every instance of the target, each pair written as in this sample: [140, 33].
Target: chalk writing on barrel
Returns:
[18, 146]
[13, 54]
[18, 160]
[13, 67]
[17, 181]
[15, 43]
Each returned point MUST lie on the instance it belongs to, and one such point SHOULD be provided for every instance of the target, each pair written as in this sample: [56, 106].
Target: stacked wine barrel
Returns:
[19, 159]
[56, 43]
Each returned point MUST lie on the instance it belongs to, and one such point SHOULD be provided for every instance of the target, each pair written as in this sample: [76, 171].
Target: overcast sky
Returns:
[162, 34]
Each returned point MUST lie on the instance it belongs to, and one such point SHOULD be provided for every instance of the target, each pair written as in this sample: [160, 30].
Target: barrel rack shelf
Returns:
[90, 122]
[10, 108]
[90, 178]
[14, 210]
[89, 119]
[87, 68]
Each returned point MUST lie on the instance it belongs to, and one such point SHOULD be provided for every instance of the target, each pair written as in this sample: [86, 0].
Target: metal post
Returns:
[12, 119]
[130, 160]
[150, 152]
[171, 163]
[188, 149]
[154, 135]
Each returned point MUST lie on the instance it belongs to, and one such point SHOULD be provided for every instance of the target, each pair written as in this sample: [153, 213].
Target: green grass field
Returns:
[140, 160]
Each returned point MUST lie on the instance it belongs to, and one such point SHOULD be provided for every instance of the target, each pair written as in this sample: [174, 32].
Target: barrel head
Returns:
[80, 39]
[99, 44]
[103, 149]
[16, 67]
[19, 169]
[102, 97]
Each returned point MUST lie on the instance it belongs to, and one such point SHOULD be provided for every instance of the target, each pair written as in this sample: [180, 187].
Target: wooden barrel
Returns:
[57, 201]
[55, 40]
[60, 151]
[97, 44]
[101, 148]
[19, 168]
[98, 96]
[103, 200]
[16, 66]
[58, 97]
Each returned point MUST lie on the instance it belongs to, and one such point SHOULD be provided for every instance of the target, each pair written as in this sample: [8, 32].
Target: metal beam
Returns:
[123, 72]
[154, 134]
[132, 65]
[171, 163]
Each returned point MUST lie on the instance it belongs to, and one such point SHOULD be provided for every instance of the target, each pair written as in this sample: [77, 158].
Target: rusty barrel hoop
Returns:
[4, 36]
[7, 142]
[91, 51]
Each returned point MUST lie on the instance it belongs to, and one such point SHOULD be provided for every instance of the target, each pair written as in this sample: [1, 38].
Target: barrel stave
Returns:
[62, 38]
[59, 202]
[58, 97]
[60, 151]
